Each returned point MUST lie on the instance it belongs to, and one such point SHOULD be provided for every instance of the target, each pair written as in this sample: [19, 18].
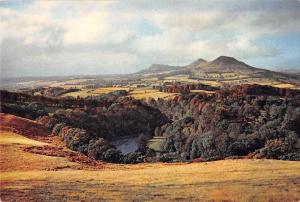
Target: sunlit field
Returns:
[137, 93]
[94, 92]
[202, 91]
[150, 93]
[180, 78]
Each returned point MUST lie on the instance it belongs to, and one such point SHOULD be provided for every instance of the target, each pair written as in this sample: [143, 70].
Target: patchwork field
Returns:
[94, 92]
[202, 91]
[37, 175]
[138, 93]
[145, 93]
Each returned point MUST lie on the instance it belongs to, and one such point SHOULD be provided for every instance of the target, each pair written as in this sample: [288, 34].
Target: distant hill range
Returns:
[223, 68]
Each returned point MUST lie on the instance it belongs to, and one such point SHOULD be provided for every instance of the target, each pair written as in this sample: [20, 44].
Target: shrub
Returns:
[169, 157]
[100, 149]
[77, 139]
[133, 157]
[57, 128]
[48, 121]
[272, 149]
[142, 141]
[293, 156]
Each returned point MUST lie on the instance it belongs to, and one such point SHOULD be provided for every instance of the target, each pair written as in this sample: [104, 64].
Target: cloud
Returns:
[114, 36]
[86, 28]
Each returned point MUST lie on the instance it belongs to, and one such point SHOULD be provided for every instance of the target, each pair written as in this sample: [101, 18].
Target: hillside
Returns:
[224, 69]
[29, 172]
[159, 68]
[247, 120]
[225, 64]
[22, 126]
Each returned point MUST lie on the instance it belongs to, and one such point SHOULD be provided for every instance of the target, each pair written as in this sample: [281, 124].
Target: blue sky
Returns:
[42, 38]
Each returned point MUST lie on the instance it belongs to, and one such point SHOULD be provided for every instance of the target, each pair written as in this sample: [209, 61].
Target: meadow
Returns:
[137, 93]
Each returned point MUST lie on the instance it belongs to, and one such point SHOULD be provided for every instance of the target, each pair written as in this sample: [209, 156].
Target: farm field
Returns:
[145, 93]
[180, 78]
[202, 91]
[94, 92]
[35, 175]
[137, 93]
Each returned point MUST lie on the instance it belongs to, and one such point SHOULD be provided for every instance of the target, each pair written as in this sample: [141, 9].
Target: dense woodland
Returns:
[249, 120]
[243, 121]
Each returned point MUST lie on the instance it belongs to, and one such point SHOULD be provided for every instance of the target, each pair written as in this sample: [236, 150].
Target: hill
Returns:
[225, 64]
[22, 126]
[224, 70]
[155, 69]
[29, 172]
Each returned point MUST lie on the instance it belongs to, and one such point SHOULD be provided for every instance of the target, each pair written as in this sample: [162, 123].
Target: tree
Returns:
[142, 141]
[100, 149]
[57, 128]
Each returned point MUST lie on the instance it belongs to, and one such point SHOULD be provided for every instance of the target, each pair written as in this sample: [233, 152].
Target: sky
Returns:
[50, 38]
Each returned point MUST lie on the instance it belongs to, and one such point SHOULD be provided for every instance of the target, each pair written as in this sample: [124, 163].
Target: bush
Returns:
[204, 146]
[31, 111]
[273, 149]
[169, 157]
[57, 128]
[293, 156]
[133, 157]
[100, 149]
[48, 121]
[142, 141]
[77, 139]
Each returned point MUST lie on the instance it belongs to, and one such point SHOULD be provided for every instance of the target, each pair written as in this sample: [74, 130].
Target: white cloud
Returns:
[86, 28]
[101, 31]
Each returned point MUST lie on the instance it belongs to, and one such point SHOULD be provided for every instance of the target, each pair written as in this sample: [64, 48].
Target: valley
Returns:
[149, 100]
[29, 175]
[207, 131]
[223, 71]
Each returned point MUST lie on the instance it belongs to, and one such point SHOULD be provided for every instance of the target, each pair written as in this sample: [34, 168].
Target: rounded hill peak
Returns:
[225, 60]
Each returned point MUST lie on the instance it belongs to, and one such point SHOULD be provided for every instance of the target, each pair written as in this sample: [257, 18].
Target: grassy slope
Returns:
[28, 176]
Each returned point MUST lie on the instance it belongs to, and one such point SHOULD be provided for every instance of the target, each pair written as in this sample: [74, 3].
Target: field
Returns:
[94, 92]
[138, 93]
[202, 91]
[155, 143]
[218, 79]
[36, 175]
[180, 78]
[145, 93]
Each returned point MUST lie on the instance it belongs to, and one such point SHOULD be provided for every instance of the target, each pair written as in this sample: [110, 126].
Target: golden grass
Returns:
[202, 91]
[81, 93]
[13, 138]
[231, 180]
[27, 176]
[284, 85]
[211, 83]
[145, 93]
[13, 158]
[33, 177]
